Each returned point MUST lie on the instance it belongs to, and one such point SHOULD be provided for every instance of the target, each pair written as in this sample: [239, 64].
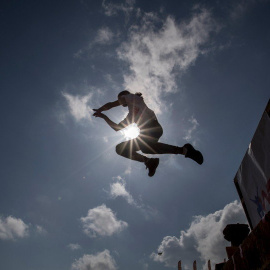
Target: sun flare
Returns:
[131, 132]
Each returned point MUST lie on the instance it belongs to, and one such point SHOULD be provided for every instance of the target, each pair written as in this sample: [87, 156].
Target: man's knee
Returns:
[118, 149]
[121, 149]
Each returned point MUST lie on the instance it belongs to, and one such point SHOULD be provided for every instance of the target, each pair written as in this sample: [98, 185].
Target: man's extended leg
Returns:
[162, 148]
[150, 145]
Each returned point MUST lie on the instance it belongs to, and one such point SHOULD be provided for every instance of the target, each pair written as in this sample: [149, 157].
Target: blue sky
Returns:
[67, 200]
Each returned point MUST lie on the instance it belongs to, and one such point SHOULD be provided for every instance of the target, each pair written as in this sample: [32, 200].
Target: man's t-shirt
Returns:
[139, 113]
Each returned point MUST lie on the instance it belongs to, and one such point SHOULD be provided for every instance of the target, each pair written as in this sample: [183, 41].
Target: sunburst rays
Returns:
[131, 132]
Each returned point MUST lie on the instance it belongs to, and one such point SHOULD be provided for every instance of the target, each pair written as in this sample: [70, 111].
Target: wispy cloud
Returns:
[158, 55]
[12, 228]
[118, 189]
[104, 36]
[102, 221]
[203, 239]
[191, 130]
[240, 7]
[111, 8]
[99, 261]
[79, 106]
[128, 170]
[74, 246]
[40, 230]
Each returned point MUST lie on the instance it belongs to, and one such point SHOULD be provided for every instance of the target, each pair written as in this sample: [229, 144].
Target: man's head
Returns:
[121, 100]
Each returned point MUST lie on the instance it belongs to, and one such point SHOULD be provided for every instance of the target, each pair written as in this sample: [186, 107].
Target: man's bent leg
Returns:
[161, 148]
[128, 150]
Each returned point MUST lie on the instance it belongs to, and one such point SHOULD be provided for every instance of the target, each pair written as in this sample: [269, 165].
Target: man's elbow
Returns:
[117, 128]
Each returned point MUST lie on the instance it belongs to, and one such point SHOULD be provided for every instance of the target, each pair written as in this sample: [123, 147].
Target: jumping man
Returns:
[150, 132]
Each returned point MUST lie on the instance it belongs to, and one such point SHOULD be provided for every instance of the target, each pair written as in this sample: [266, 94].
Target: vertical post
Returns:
[209, 265]
[179, 265]
[194, 265]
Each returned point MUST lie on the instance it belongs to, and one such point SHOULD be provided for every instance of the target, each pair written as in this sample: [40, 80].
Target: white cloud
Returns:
[112, 9]
[189, 133]
[74, 246]
[102, 221]
[40, 230]
[118, 189]
[202, 240]
[157, 56]
[128, 171]
[78, 106]
[99, 261]
[12, 228]
[104, 36]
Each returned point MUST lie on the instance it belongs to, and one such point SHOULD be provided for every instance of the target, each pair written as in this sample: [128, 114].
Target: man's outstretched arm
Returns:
[113, 125]
[108, 106]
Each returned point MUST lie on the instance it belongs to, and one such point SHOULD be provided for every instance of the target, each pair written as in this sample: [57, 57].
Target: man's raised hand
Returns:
[98, 113]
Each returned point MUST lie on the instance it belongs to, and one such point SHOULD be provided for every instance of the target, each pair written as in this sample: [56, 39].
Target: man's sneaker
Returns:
[151, 165]
[193, 154]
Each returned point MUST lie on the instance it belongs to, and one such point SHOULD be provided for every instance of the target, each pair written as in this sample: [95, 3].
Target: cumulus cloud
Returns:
[12, 228]
[102, 221]
[202, 240]
[74, 246]
[118, 189]
[156, 56]
[99, 261]
[79, 106]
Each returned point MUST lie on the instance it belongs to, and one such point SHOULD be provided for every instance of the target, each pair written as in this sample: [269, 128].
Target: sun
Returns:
[131, 132]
